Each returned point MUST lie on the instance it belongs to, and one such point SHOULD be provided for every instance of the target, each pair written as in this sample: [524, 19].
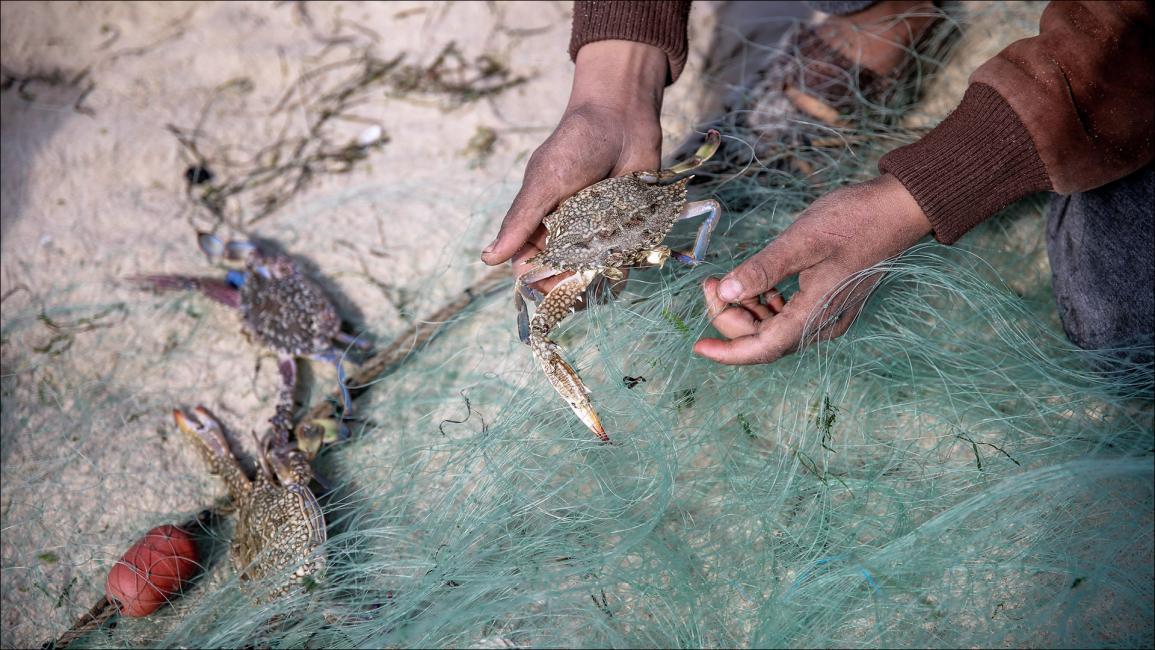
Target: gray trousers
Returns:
[1102, 249]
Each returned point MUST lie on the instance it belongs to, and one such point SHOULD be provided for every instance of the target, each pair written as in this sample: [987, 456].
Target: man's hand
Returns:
[609, 128]
[840, 235]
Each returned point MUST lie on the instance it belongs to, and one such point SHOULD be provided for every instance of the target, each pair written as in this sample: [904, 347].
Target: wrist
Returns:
[910, 221]
[621, 74]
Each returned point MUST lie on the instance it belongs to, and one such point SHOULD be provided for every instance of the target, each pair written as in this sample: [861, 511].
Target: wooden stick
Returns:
[389, 358]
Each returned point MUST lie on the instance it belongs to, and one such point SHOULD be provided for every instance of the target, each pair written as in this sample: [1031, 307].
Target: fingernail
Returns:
[730, 289]
[489, 249]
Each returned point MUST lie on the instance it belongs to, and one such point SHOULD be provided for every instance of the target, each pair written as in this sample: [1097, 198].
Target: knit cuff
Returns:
[979, 160]
[658, 23]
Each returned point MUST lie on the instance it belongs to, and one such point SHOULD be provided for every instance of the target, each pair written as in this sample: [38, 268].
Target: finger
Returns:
[715, 305]
[520, 259]
[784, 256]
[774, 339]
[774, 300]
[730, 320]
[754, 306]
[842, 310]
[521, 266]
[535, 200]
[547, 285]
[735, 322]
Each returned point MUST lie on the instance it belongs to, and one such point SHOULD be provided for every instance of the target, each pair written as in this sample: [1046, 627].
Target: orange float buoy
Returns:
[152, 571]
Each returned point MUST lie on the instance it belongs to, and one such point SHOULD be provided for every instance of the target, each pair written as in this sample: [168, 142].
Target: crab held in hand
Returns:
[282, 309]
[599, 231]
[279, 521]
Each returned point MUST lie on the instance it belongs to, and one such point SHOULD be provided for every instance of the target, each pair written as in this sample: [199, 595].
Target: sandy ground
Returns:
[94, 191]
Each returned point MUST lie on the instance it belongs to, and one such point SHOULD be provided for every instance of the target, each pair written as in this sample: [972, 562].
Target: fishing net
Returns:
[951, 472]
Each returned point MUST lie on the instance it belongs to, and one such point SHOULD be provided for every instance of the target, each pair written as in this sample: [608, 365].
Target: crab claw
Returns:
[708, 148]
[203, 427]
[589, 417]
[570, 386]
[224, 292]
[234, 250]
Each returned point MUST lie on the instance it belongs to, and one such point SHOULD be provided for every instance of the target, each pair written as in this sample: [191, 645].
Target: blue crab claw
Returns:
[203, 427]
[569, 385]
[215, 249]
[704, 153]
[710, 146]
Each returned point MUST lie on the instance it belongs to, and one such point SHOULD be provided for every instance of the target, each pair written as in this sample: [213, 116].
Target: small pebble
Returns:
[369, 136]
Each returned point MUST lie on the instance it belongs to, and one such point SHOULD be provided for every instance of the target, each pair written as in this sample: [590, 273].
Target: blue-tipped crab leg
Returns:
[523, 292]
[287, 365]
[713, 211]
[704, 152]
[350, 341]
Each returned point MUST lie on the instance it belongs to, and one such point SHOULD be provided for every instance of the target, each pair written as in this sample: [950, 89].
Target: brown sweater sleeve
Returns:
[1068, 110]
[660, 23]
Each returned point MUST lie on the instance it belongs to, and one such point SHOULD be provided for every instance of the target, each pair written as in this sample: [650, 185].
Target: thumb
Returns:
[552, 175]
[765, 269]
[529, 207]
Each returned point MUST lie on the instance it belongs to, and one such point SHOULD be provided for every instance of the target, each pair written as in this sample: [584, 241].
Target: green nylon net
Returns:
[951, 472]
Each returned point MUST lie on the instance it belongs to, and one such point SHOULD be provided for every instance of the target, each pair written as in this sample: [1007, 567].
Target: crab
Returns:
[281, 308]
[279, 521]
[598, 232]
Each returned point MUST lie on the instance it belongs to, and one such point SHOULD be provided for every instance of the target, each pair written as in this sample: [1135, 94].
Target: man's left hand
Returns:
[834, 240]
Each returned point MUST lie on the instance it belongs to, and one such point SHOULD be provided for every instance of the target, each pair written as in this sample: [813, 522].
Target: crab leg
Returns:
[220, 291]
[523, 291]
[333, 357]
[704, 153]
[558, 304]
[348, 340]
[713, 210]
[282, 419]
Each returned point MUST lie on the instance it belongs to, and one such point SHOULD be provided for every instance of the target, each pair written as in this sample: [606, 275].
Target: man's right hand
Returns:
[610, 127]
